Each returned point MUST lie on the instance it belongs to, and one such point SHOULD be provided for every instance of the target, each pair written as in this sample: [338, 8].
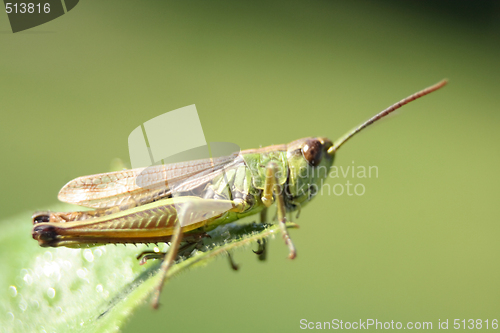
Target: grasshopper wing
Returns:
[121, 188]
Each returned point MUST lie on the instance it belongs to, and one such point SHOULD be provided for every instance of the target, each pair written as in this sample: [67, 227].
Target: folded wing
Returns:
[130, 188]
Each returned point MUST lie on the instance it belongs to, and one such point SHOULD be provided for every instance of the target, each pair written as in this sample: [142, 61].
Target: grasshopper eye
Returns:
[313, 152]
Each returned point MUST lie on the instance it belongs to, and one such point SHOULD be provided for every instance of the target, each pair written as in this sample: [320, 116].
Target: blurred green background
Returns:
[420, 245]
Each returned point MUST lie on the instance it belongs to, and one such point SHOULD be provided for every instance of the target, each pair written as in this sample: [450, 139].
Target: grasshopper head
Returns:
[309, 163]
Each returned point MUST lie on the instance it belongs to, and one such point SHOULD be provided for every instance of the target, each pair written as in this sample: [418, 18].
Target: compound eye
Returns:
[313, 152]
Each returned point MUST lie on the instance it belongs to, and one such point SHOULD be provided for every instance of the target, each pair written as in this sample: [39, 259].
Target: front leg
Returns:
[271, 186]
[262, 250]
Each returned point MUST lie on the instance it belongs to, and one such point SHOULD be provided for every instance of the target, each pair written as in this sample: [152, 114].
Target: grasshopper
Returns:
[185, 200]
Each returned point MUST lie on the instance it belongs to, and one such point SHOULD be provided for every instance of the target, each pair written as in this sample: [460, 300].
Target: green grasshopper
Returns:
[185, 200]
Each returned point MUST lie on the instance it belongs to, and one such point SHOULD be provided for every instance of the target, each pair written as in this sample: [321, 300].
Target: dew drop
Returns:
[28, 279]
[88, 255]
[23, 305]
[51, 292]
[81, 273]
[13, 291]
[97, 253]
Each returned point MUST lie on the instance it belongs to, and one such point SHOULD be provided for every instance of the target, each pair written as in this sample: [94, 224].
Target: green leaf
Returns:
[91, 289]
